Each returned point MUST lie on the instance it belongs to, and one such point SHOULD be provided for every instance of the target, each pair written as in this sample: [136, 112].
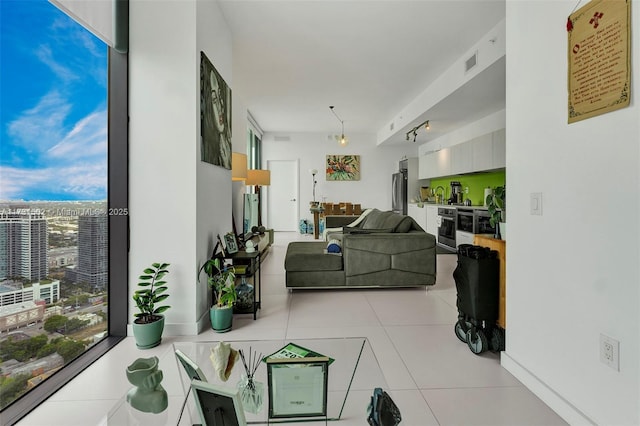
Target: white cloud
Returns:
[85, 181]
[65, 73]
[37, 128]
[88, 138]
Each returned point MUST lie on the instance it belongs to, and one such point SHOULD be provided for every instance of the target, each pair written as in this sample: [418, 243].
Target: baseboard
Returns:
[557, 403]
[186, 329]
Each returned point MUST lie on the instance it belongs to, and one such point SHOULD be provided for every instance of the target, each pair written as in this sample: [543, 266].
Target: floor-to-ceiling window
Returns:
[254, 144]
[63, 201]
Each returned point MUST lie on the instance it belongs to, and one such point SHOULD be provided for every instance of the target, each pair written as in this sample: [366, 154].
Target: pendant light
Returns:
[342, 140]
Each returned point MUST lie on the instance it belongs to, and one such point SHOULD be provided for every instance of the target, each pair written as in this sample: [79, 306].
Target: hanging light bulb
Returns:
[427, 126]
[343, 141]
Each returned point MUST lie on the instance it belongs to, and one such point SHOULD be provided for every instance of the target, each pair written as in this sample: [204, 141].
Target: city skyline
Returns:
[54, 106]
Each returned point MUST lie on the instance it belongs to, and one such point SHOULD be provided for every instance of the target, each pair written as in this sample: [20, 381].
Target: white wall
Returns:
[177, 204]
[214, 186]
[573, 272]
[378, 163]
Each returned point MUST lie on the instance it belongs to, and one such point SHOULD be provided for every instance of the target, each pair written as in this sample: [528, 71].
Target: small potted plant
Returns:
[221, 279]
[149, 323]
[496, 209]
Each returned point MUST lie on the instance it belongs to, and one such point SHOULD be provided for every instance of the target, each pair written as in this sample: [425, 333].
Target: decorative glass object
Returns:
[244, 292]
[251, 393]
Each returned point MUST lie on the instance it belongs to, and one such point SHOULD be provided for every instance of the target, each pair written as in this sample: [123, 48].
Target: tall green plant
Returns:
[152, 292]
[495, 205]
[221, 279]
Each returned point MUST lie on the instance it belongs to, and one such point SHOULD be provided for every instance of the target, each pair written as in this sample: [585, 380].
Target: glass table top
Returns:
[355, 369]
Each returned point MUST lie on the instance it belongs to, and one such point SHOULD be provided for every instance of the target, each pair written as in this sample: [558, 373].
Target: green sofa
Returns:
[385, 249]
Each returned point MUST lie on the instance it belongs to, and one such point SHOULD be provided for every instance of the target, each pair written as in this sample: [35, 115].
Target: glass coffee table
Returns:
[355, 368]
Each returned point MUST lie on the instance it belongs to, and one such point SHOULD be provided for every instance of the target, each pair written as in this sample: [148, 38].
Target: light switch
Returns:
[536, 203]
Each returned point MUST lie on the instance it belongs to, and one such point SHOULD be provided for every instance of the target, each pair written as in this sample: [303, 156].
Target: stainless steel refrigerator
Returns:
[399, 192]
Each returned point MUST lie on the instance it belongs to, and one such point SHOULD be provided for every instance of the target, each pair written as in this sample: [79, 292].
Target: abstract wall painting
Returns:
[343, 167]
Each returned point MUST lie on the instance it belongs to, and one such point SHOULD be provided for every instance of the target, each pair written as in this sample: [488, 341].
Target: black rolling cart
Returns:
[477, 278]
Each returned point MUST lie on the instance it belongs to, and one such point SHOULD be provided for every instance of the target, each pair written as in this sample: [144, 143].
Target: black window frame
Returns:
[118, 201]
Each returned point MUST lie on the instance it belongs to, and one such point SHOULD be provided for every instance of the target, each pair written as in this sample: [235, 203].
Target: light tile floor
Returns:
[432, 376]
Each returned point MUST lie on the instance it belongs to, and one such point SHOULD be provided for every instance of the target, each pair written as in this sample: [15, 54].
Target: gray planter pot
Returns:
[148, 335]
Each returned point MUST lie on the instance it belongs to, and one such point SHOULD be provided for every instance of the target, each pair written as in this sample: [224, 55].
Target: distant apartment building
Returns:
[93, 251]
[13, 293]
[23, 244]
[22, 305]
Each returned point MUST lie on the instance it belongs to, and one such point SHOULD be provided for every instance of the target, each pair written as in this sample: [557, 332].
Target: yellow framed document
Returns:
[297, 386]
[599, 58]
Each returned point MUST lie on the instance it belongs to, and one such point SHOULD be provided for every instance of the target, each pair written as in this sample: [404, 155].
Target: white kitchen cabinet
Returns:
[462, 158]
[419, 214]
[499, 149]
[443, 161]
[483, 152]
[427, 166]
[432, 219]
[486, 152]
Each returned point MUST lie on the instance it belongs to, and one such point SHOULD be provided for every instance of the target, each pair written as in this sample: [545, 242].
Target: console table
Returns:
[252, 263]
[355, 369]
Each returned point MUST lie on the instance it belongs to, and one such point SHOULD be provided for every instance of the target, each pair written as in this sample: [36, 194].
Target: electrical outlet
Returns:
[610, 352]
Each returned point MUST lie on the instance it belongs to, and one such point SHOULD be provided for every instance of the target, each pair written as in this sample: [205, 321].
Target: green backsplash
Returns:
[476, 182]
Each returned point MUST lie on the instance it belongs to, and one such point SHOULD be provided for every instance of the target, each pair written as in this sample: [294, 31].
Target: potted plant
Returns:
[496, 209]
[149, 323]
[221, 279]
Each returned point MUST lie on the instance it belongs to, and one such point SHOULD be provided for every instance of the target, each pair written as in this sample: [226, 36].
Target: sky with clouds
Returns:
[53, 106]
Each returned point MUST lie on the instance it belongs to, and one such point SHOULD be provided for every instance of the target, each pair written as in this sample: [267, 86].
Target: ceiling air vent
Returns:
[471, 62]
[282, 138]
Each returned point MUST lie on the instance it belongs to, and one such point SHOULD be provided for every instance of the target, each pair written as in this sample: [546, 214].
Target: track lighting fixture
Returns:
[342, 140]
[415, 129]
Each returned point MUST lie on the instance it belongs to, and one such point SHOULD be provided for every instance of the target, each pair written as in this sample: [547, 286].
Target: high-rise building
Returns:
[93, 251]
[23, 244]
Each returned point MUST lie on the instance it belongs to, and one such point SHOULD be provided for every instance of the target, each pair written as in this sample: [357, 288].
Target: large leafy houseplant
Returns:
[152, 291]
[221, 280]
[496, 207]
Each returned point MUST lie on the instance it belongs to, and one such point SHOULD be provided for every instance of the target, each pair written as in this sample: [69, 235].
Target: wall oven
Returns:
[481, 223]
[447, 228]
[464, 226]
[464, 220]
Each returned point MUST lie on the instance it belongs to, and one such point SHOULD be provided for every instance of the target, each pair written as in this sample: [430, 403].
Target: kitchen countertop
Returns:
[476, 207]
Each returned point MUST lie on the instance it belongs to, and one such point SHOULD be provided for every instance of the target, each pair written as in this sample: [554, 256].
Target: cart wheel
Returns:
[477, 341]
[461, 328]
[497, 339]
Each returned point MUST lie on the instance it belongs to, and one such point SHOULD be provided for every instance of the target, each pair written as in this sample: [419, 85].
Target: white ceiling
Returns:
[294, 58]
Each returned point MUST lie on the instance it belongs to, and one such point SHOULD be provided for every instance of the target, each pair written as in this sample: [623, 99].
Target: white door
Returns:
[282, 199]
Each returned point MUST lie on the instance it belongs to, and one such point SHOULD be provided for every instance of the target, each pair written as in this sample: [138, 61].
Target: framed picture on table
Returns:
[297, 387]
[218, 405]
[231, 243]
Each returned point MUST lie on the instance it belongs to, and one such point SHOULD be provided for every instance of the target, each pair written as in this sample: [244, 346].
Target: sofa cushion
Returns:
[388, 222]
[376, 219]
[404, 225]
[310, 256]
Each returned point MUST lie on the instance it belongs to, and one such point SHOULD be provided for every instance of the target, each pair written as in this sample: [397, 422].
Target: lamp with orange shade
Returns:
[238, 166]
[258, 178]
